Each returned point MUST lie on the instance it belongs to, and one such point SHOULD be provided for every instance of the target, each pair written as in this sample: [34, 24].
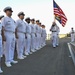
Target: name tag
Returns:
[9, 22]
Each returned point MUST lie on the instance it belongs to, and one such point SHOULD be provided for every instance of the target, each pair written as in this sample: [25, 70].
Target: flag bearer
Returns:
[53, 29]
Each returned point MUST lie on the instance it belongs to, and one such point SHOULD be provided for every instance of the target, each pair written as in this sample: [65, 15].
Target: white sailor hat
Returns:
[37, 21]
[28, 18]
[8, 9]
[32, 19]
[21, 13]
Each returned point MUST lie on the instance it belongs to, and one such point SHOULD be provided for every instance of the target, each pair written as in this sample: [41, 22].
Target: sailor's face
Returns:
[28, 21]
[21, 16]
[9, 13]
[37, 23]
[32, 21]
[54, 23]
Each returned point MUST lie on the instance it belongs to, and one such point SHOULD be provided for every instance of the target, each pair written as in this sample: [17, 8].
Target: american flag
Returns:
[59, 14]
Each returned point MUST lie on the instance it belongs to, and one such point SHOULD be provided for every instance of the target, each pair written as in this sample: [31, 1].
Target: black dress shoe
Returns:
[54, 47]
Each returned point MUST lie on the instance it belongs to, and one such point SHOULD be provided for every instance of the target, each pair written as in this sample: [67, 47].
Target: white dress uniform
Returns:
[9, 26]
[40, 38]
[54, 35]
[33, 38]
[28, 40]
[37, 37]
[43, 37]
[21, 31]
[72, 32]
[1, 50]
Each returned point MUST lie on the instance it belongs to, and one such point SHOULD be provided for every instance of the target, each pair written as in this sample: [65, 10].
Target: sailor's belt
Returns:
[33, 32]
[54, 31]
[72, 33]
[9, 31]
[21, 32]
[40, 33]
[28, 33]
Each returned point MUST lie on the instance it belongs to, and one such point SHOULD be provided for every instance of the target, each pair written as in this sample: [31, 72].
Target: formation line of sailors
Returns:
[27, 36]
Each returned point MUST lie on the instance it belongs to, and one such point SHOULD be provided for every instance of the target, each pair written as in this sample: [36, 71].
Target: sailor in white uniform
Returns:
[43, 35]
[37, 34]
[40, 38]
[54, 30]
[28, 35]
[21, 31]
[9, 26]
[33, 36]
[1, 50]
[72, 32]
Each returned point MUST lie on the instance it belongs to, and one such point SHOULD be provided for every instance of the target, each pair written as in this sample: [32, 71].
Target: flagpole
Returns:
[53, 14]
[54, 19]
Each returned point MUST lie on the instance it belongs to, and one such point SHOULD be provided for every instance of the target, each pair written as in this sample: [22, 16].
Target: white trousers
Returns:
[37, 40]
[40, 39]
[57, 40]
[1, 50]
[20, 44]
[33, 41]
[43, 39]
[54, 39]
[9, 46]
[28, 43]
[72, 37]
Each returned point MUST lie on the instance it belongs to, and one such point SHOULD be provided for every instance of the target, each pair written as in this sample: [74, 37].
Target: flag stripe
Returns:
[58, 12]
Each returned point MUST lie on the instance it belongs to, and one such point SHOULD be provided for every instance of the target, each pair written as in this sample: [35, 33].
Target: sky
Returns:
[42, 10]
